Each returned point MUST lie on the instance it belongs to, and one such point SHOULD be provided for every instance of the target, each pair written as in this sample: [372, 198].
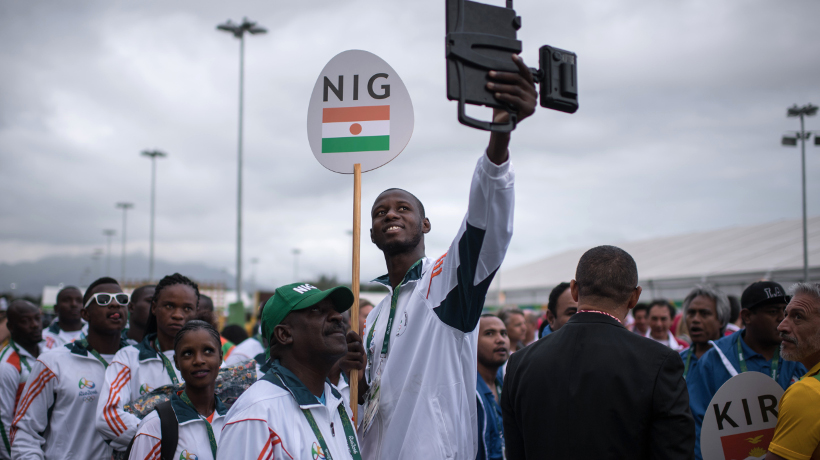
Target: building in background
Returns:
[669, 267]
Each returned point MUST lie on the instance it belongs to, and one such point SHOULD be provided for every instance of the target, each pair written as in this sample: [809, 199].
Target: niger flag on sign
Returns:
[356, 129]
[744, 445]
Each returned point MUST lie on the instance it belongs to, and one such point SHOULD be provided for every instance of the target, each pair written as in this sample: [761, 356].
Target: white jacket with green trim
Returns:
[427, 406]
[55, 417]
[135, 370]
[193, 440]
[15, 369]
[267, 422]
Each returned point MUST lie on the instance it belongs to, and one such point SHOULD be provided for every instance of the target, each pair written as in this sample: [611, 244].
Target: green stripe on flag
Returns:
[355, 144]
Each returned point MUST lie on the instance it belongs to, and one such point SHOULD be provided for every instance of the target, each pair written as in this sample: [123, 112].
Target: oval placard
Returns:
[359, 112]
[740, 419]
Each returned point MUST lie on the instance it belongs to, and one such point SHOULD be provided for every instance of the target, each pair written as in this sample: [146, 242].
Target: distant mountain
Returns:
[30, 277]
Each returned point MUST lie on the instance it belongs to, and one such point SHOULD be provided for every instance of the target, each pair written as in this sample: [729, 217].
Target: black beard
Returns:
[400, 247]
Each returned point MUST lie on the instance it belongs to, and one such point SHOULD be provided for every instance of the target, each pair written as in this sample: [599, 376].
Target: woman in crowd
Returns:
[198, 411]
[140, 368]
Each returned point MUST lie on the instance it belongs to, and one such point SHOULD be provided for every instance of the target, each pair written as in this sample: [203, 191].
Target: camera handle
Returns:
[460, 46]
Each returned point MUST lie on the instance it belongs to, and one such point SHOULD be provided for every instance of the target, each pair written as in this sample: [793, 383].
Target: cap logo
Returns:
[769, 294]
[304, 288]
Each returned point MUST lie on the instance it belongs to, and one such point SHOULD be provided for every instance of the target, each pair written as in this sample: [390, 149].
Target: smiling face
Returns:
[397, 222]
[198, 356]
[800, 330]
[493, 343]
[702, 320]
[175, 306]
[68, 306]
[565, 307]
[108, 319]
[316, 332]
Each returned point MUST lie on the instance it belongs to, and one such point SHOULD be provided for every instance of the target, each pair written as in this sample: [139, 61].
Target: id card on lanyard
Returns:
[371, 405]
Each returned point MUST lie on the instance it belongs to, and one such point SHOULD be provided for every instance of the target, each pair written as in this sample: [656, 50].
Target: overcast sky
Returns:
[682, 108]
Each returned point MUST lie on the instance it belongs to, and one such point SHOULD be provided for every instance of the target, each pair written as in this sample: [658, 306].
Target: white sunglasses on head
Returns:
[105, 298]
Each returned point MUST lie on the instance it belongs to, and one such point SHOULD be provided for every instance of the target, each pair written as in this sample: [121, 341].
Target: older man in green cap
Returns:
[294, 411]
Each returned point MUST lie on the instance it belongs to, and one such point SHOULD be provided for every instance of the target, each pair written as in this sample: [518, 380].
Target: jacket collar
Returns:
[292, 384]
[414, 274]
[78, 347]
[186, 413]
[146, 348]
[54, 328]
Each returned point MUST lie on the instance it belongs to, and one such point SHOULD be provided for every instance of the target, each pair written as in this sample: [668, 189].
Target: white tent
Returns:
[669, 267]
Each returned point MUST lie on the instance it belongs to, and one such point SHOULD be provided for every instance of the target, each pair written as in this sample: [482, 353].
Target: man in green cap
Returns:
[294, 411]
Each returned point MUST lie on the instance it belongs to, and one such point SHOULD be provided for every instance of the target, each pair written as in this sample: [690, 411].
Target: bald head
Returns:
[25, 323]
[20, 308]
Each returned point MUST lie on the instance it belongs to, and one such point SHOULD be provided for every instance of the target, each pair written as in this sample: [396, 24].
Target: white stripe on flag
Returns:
[369, 128]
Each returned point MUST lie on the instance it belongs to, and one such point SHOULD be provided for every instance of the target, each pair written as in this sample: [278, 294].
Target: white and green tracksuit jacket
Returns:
[427, 406]
[55, 417]
[135, 370]
[268, 422]
[15, 368]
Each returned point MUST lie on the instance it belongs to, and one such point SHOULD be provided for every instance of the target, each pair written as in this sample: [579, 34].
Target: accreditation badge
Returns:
[371, 405]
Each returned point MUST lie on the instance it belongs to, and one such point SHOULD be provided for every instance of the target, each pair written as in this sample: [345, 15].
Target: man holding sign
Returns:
[421, 341]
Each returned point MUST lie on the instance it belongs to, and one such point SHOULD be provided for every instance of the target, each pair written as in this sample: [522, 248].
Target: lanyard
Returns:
[167, 362]
[742, 360]
[394, 300]
[84, 343]
[688, 360]
[22, 358]
[211, 437]
[350, 435]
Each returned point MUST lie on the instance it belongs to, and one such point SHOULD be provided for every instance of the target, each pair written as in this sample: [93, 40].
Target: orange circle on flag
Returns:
[355, 129]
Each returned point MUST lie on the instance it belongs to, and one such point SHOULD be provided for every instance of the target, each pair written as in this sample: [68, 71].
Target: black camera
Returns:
[480, 38]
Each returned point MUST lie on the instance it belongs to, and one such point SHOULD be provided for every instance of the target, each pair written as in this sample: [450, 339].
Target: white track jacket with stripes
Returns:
[193, 440]
[55, 419]
[15, 368]
[427, 406]
[267, 422]
[135, 370]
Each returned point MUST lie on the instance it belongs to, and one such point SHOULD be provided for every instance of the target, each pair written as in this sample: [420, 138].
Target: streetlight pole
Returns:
[153, 154]
[125, 207]
[802, 112]
[109, 233]
[238, 31]
[296, 253]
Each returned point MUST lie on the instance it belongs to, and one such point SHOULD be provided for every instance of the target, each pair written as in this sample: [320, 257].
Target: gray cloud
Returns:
[682, 109]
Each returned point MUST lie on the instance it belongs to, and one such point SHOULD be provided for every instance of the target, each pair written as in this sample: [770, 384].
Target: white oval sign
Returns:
[740, 419]
[359, 112]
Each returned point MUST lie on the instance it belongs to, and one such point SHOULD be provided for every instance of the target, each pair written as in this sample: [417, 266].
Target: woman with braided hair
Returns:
[198, 412]
[140, 368]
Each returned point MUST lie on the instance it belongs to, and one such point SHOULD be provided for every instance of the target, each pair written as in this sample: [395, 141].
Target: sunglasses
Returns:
[105, 298]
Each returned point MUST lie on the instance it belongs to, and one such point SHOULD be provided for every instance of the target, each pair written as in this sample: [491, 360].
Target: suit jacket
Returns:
[594, 390]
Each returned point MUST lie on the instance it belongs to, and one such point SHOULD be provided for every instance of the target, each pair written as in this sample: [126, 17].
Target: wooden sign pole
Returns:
[354, 311]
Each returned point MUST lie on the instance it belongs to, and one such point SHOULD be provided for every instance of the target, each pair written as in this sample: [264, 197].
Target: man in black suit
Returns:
[594, 390]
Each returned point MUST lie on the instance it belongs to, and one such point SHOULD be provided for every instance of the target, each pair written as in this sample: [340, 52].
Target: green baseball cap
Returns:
[298, 296]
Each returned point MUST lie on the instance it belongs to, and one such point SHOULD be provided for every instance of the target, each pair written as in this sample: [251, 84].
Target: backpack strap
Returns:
[169, 430]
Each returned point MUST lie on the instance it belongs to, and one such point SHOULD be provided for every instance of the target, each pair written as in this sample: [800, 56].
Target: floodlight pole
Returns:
[802, 112]
[238, 31]
[109, 233]
[125, 207]
[153, 154]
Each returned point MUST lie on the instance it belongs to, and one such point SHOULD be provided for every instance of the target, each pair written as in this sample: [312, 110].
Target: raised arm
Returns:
[518, 90]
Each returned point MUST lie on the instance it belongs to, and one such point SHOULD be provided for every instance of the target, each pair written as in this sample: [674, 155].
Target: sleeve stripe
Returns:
[27, 396]
[112, 418]
[35, 389]
[155, 452]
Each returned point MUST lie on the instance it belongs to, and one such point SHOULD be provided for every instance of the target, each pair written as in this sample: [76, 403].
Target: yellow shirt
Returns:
[797, 436]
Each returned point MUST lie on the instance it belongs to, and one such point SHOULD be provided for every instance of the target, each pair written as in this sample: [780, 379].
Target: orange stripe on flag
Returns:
[365, 113]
